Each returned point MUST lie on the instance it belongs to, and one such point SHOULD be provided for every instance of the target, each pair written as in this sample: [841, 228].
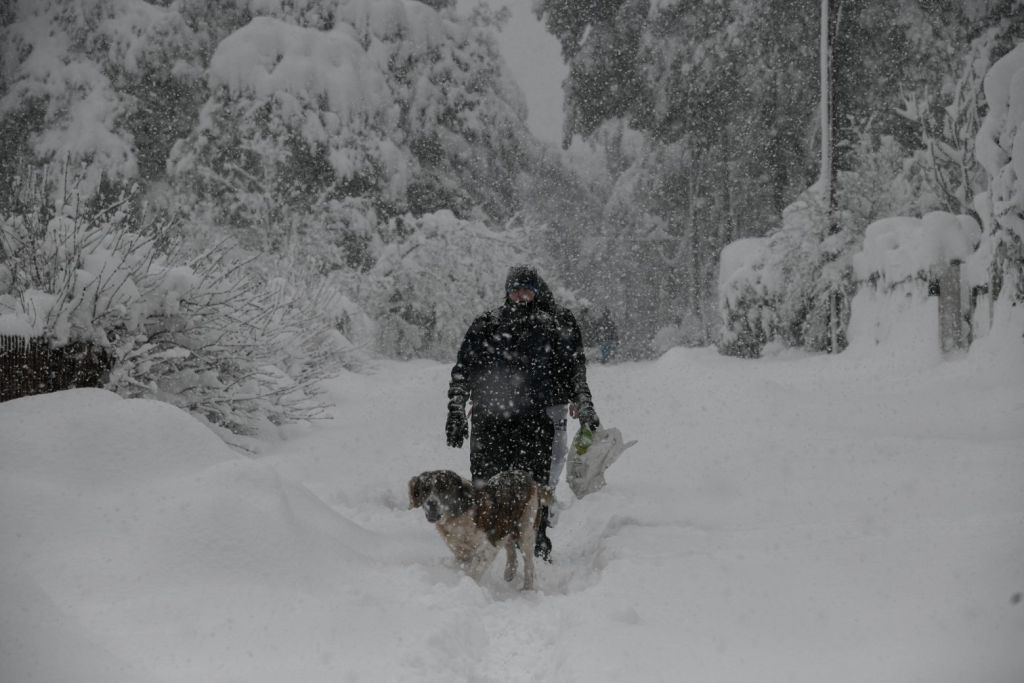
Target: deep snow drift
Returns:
[809, 519]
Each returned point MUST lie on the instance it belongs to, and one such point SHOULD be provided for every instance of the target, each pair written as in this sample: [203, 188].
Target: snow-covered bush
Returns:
[747, 298]
[202, 333]
[431, 281]
[784, 289]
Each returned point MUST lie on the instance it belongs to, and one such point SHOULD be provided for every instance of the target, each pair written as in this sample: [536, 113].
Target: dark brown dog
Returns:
[476, 521]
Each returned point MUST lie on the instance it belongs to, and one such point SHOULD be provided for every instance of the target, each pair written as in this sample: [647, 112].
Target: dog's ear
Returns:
[416, 492]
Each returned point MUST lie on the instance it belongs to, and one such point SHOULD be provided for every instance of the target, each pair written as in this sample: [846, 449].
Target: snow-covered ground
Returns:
[808, 519]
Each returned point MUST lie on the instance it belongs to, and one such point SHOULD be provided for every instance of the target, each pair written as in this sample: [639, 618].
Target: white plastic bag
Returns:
[585, 472]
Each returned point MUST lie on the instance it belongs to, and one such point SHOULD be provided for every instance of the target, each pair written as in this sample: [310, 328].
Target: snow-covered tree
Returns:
[108, 85]
[1000, 150]
[296, 134]
[393, 103]
[296, 116]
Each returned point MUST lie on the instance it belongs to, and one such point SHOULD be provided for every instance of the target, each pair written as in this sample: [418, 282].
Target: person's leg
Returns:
[559, 452]
[529, 445]
[559, 442]
[534, 438]
[488, 452]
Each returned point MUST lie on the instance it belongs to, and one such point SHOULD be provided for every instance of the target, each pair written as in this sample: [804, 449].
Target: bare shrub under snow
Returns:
[203, 333]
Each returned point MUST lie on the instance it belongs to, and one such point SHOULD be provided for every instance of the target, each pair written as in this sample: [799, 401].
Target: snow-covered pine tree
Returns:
[394, 103]
[108, 85]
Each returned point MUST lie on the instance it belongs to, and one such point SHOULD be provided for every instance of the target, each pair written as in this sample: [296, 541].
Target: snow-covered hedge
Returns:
[900, 258]
[747, 294]
[901, 248]
[202, 333]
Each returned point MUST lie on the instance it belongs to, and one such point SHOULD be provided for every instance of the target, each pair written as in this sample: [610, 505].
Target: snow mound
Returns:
[107, 502]
[92, 438]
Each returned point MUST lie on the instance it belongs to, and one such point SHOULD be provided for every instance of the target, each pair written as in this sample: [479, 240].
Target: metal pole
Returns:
[825, 58]
[827, 175]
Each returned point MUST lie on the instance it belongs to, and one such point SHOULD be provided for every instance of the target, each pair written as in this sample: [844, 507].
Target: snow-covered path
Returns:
[791, 519]
[807, 519]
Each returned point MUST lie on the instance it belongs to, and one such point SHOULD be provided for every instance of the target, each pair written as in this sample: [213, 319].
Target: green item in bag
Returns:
[582, 441]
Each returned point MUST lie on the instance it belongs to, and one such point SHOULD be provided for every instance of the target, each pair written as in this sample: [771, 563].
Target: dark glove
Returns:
[457, 427]
[588, 417]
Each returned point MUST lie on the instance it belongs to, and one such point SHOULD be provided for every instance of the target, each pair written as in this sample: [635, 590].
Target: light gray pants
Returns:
[559, 446]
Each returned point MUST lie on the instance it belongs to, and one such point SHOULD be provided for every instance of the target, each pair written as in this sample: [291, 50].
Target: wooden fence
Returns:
[31, 366]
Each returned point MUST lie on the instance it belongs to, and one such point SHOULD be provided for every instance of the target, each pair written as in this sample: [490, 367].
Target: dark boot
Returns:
[542, 548]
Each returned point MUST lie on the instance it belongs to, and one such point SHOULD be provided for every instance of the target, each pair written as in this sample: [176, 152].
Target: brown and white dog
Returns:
[475, 521]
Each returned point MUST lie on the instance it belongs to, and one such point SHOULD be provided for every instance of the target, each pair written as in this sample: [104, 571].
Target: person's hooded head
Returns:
[523, 285]
[545, 299]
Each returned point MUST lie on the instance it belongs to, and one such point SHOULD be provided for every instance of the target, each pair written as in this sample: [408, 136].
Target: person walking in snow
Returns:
[586, 325]
[510, 365]
[607, 335]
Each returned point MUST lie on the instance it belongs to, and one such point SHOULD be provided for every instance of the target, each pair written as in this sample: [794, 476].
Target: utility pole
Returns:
[825, 64]
[829, 30]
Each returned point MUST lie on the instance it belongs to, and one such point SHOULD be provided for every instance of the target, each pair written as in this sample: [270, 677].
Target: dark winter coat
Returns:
[570, 380]
[507, 362]
[506, 366]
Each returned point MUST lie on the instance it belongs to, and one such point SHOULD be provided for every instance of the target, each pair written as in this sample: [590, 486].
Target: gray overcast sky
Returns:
[535, 60]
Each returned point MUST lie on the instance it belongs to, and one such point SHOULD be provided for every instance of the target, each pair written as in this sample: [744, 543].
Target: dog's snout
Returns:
[432, 511]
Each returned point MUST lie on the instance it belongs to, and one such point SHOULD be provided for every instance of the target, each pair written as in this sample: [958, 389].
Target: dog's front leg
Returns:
[527, 540]
[510, 561]
[526, 543]
[528, 568]
[480, 561]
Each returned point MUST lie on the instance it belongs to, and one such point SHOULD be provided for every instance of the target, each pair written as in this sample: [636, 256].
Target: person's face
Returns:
[523, 295]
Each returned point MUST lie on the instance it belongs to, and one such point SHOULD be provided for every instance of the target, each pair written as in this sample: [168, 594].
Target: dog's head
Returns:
[441, 493]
